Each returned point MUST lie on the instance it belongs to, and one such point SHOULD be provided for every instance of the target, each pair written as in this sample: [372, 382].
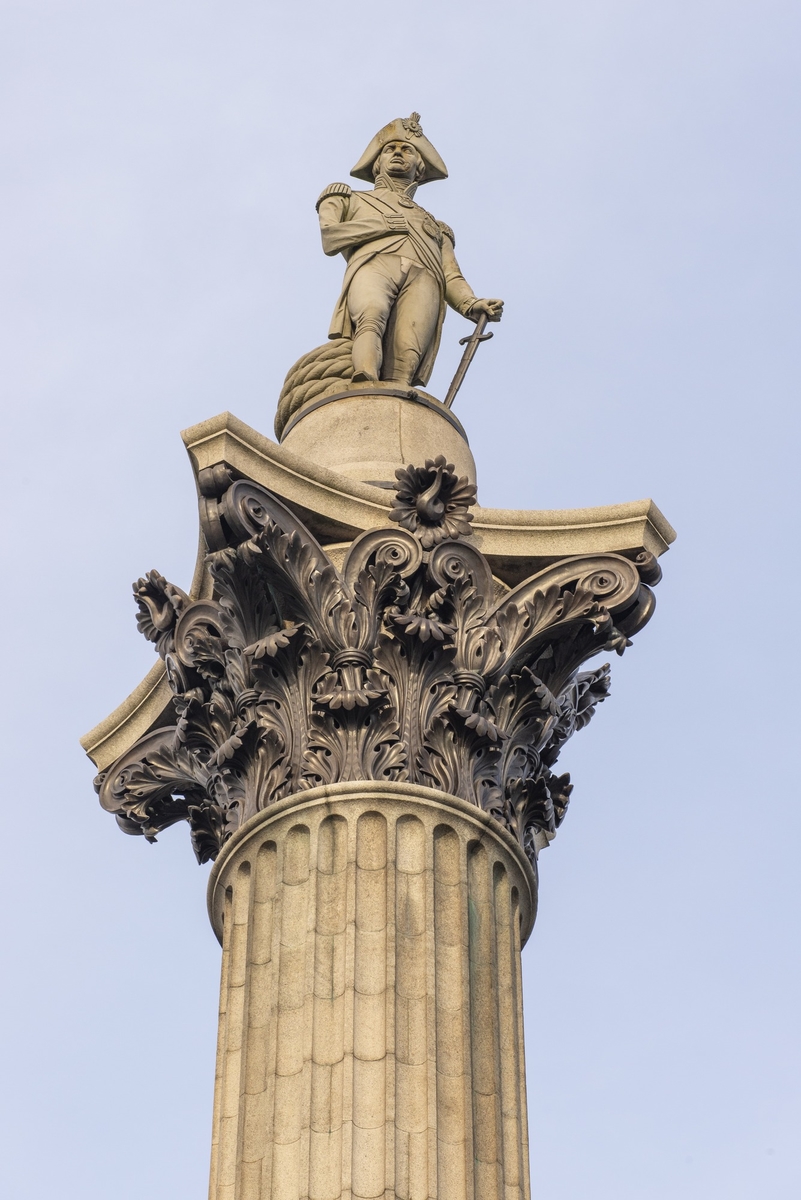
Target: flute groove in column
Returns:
[332, 872]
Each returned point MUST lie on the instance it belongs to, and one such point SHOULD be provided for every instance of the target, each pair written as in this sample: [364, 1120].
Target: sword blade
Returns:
[471, 344]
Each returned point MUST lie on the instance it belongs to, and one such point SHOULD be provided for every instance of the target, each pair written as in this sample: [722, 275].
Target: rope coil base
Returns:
[319, 373]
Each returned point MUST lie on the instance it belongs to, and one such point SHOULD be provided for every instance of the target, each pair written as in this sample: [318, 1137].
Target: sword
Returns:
[470, 344]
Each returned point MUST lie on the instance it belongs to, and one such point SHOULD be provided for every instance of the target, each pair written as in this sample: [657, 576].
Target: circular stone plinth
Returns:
[368, 434]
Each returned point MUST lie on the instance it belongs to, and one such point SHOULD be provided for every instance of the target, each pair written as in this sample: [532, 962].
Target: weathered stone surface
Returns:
[370, 1008]
[369, 435]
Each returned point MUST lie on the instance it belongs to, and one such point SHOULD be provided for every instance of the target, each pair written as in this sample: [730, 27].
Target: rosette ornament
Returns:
[432, 502]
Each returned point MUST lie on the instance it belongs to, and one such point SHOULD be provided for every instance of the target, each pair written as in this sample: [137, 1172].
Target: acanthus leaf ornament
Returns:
[402, 666]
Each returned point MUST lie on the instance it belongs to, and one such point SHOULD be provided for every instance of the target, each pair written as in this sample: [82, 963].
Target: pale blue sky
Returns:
[626, 175]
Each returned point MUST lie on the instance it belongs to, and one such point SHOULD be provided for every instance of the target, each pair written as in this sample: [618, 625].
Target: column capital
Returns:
[399, 656]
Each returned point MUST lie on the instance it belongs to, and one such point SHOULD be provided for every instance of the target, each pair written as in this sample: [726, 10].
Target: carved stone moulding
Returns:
[404, 660]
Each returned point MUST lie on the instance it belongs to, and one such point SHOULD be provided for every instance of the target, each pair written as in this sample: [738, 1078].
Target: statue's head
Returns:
[402, 151]
[399, 160]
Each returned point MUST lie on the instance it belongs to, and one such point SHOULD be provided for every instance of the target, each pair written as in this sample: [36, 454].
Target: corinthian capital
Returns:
[408, 661]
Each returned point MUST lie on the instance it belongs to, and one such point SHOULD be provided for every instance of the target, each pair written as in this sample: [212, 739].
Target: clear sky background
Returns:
[625, 174]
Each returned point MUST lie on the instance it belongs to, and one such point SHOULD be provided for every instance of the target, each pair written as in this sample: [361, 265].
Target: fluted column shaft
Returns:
[371, 1037]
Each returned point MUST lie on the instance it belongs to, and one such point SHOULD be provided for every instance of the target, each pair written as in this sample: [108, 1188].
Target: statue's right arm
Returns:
[342, 225]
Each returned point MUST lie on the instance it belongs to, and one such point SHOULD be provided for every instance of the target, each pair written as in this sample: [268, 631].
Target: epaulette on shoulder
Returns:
[334, 189]
[446, 229]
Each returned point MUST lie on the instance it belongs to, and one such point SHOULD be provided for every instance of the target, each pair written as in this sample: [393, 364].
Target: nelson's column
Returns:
[358, 708]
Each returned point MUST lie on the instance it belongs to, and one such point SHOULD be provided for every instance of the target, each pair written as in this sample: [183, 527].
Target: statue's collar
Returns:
[406, 190]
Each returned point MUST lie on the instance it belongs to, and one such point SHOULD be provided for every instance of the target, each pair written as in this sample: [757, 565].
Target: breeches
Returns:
[394, 306]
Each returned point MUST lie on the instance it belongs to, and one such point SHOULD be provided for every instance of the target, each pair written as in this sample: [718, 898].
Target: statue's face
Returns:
[400, 160]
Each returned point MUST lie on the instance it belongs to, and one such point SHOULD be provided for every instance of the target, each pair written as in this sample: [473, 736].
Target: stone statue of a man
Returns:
[402, 270]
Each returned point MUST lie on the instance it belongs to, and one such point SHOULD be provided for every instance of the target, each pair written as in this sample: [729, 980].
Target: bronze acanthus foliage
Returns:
[402, 665]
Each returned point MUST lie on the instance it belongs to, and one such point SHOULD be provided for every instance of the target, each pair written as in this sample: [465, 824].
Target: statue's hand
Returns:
[493, 309]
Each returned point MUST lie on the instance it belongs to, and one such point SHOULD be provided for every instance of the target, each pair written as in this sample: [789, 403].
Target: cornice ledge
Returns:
[130, 720]
[346, 504]
[518, 542]
[350, 507]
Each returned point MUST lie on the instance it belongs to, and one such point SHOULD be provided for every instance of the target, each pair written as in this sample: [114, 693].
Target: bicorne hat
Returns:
[402, 129]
